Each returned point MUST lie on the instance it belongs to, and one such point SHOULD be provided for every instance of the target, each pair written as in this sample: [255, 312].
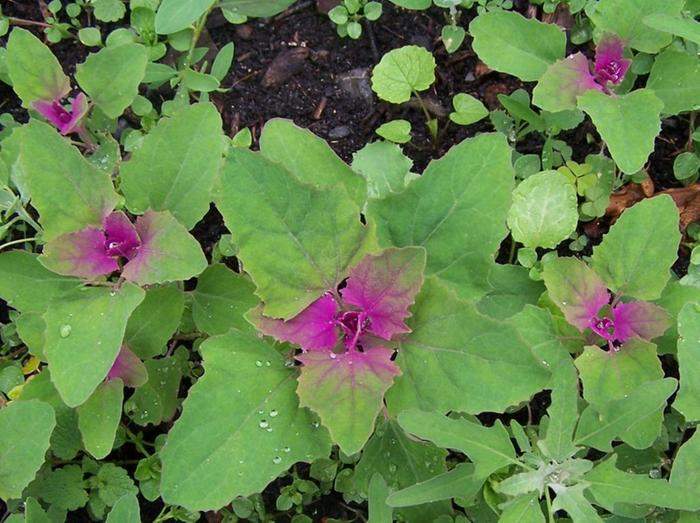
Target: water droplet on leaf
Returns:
[65, 330]
[276, 460]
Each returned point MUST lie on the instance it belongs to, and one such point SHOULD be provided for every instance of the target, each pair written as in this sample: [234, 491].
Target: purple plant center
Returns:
[611, 72]
[354, 325]
[603, 327]
[61, 113]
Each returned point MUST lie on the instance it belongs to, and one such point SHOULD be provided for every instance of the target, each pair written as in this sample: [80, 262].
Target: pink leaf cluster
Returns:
[129, 368]
[66, 119]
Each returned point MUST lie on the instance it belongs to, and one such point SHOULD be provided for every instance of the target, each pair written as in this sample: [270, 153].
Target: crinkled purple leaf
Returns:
[66, 121]
[79, 254]
[576, 289]
[121, 238]
[610, 65]
[385, 286]
[346, 391]
[639, 319]
[129, 368]
[312, 329]
[563, 82]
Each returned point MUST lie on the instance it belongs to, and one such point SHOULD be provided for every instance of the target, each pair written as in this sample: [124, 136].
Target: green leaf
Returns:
[154, 321]
[674, 298]
[610, 486]
[67, 190]
[176, 167]
[686, 28]
[385, 168]
[247, 405]
[256, 8]
[377, 507]
[81, 348]
[309, 158]
[675, 79]
[525, 509]
[25, 428]
[112, 76]
[156, 401]
[489, 448]
[221, 299]
[274, 216]
[468, 110]
[202, 82]
[460, 482]
[636, 256]
[90, 36]
[26, 285]
[573, 500]
[456, 210]
[685, 472]
[397, 131]
[175, 15]
[544, 210]
[689, 362]
[626, 19]
[33, 513]
[402, 72]
[62, 488]
[628, 124]
[563, 414]
[113, 483]
[34, 71]
[108, 10]
[413, 4]
[222, 63]
[98, 418]
[455, 359]
[125, 510]
[510, 43]
[512, 290]
[453, 37]
[562, 82]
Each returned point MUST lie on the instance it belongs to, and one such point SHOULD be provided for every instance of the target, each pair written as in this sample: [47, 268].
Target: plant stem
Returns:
[511, 256]
[17, 242]
[691, 129]
[22, 21]
[427, 115]
[198, 28]
[137, 443]
[550, 514]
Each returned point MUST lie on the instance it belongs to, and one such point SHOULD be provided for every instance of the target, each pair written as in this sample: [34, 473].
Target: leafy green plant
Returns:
[348, 16]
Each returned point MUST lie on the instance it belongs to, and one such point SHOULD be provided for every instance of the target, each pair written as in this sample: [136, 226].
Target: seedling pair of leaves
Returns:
[348, 15]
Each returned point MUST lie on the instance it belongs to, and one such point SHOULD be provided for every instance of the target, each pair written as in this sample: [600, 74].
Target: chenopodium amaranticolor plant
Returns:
[565, 80]
[347, 338]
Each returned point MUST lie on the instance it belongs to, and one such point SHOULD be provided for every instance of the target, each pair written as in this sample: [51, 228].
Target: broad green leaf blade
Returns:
[175, 15]
[674, 298]
[456, 210]
[309, 158]
[455, 359]
[34, 71]
[402, 72]
[154, 321]
[512, 290]
[176, 167]
[111, 77]
[689, 362]
[274, 216]
[33, 513]
[626, 19]
[67, 190]
[609, 486]
[241, 426]
[544, 210]
[98, 418]
[636, 256]
[562, 83]
[563, 414]
[460, 482]
[468, 110]
[125, 510]
[81, 348]
[687, 28]
[636, 419]
[167, 252]
[378, 510]
[573, 501]
[256, 8]
[346, 391]
[675, 80]
[402, 461]
[685, 472]
[510, 43]
[25, 429]
[384, 166]
[628, 124]
[26, 285]
[157, 400]
[610, 376]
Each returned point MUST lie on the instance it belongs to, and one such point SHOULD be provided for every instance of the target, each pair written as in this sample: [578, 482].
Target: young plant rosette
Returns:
[347, 337]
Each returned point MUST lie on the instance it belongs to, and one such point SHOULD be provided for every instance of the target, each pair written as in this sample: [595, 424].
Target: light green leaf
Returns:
[544, 210]
[675, 79]
[154, 321]
[563, 414]
[402, 72]
[689, 362]
[309, 158]
[626, 19]
[98, 418]
[685, 472]
[456, 210]
[636, 256]
[413, 4]
[222, 63]
[125, 510]
[525, 509]
[378, 510]
[156, 401]
[176, 167]
[512, 290]
[81, 348]
[112, 76]
[628, 124]
[62, 488]
[201, 82]
[25, 429]
[113, 483]
[453, 37]
[468, 110]
[510, 43]
[385, 168]
[674, 298]
[241, 426]
[34, 71]
[175, 15]
[108, 10]
[33, 513]
[67, 190]
[460, 482]
[686, 28]
[397, 131]
[573, 501]
[256, 8]
[274, 216]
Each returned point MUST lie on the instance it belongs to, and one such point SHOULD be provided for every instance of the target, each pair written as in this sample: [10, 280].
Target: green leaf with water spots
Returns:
[460, 482]
[689, 362]
[563, 413]
[385, 167]
[675, 79]
[154, 321]
[99, 416]
[687, 28]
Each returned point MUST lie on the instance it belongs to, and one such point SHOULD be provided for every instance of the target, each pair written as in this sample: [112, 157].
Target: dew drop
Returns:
[269, 429]
[263, 424]
[65, 330]
[261, 411]
[273, 413]
[268, 363]
[655, 474]
[315, 424]
[258, 363]
[276, 460]
[287, 449]
[333, 355]
[392, 468]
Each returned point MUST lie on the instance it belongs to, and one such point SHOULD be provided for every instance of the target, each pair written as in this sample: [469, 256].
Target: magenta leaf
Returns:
[610, 65]
[563, 82]
[384, 287]
[312, 329]
[346, 391]
[129, 368]
[639, 319]
[79, 254]
[121, 238]
[66, 121]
